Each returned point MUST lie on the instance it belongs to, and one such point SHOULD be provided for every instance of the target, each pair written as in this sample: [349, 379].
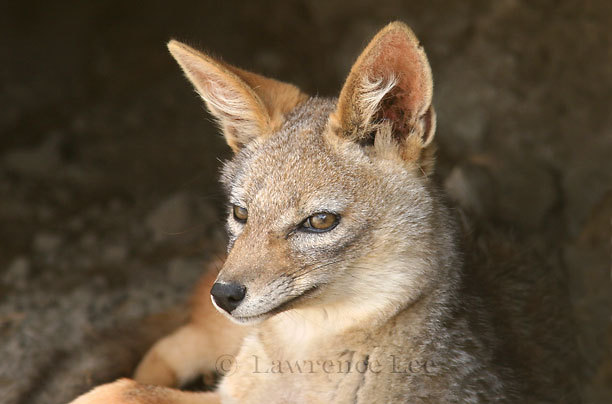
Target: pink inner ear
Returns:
[398, 56]
[393, 109]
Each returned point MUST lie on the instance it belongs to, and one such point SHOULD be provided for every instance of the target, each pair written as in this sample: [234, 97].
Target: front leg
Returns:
[125, 391]
[193, 349]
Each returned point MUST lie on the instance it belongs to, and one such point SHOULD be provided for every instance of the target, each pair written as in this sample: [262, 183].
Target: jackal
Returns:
[347, 279]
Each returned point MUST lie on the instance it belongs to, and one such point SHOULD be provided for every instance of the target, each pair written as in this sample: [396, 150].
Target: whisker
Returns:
[311, 268]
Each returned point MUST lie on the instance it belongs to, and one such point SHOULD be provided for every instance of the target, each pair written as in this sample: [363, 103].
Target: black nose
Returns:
[228, 295]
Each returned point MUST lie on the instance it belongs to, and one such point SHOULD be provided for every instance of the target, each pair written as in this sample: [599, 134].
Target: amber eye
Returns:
[240, 213]
[321, 222]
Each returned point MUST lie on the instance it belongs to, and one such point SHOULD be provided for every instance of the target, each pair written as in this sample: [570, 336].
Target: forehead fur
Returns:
[303, 169]
[284, 157]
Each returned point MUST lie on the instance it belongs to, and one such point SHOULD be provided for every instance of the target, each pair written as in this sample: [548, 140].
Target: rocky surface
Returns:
[109, 205]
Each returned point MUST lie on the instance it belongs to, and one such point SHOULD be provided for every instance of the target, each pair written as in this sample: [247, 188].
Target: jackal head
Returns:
[330, 201]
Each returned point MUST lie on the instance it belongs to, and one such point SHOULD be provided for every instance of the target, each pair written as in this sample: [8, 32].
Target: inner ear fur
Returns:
[389, 89]
[245, 104]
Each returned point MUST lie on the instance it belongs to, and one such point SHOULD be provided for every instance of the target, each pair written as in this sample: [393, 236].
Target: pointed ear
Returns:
[386, 99]
[245, 104]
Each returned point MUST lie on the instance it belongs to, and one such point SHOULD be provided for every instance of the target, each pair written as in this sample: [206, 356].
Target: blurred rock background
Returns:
[109, 203]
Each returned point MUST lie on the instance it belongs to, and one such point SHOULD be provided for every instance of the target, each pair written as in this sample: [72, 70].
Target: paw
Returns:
[119, 392]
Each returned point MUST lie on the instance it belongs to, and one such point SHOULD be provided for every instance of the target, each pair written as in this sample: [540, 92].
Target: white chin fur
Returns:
[249, 320]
